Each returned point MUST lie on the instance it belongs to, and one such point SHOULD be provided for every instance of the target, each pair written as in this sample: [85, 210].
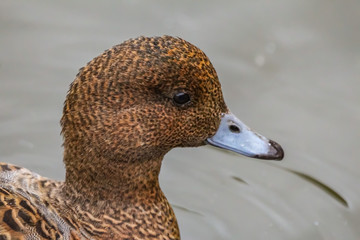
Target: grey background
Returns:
[289, 69]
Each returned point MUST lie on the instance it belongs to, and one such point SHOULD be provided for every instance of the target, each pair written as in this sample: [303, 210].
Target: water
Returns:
[289, 69]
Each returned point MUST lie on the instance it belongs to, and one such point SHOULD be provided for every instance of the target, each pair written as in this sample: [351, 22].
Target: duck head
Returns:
[146, 96]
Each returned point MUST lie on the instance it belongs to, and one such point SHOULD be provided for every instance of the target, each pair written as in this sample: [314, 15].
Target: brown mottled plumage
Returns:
[124, 111]
[119, 121]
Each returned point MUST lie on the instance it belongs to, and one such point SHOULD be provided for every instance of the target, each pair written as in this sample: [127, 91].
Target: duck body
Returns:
[25, 210]
[33, 207]
[124, 111]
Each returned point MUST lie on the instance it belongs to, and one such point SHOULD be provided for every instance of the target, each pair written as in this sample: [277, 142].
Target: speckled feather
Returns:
[119, 121]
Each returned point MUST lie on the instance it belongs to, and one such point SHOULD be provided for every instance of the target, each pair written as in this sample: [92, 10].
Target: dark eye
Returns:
[181, 98]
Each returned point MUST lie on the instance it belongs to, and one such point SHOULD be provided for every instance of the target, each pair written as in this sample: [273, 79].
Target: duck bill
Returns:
[235, 136]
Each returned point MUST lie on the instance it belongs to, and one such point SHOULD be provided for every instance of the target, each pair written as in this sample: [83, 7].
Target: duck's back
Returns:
[25, 212]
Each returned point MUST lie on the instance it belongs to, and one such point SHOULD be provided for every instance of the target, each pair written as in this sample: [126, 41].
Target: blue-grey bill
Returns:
[235, 136]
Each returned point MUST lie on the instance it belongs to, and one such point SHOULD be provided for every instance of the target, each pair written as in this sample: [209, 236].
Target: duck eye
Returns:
[181, 98]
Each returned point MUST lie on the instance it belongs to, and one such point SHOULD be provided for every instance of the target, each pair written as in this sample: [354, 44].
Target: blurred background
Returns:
[289, 69]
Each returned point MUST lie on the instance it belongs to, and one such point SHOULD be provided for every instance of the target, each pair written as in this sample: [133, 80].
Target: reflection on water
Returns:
[288, 69]
[322, 186]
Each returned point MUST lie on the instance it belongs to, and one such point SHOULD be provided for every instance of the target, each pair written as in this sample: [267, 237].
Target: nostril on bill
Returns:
[234, 128]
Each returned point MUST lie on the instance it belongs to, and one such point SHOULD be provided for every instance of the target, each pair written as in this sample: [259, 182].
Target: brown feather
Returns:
[119, 120]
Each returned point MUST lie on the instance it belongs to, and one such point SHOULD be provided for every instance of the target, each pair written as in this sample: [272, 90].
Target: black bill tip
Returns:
[275, 152]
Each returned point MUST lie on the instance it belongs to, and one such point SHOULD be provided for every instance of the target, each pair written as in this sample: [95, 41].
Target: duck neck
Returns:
[98, 178]
[102, 188]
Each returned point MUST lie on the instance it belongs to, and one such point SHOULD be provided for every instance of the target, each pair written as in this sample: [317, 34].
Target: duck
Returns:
[124, 111]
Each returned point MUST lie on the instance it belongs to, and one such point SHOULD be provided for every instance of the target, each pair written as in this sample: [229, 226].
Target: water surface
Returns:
[289, 69]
